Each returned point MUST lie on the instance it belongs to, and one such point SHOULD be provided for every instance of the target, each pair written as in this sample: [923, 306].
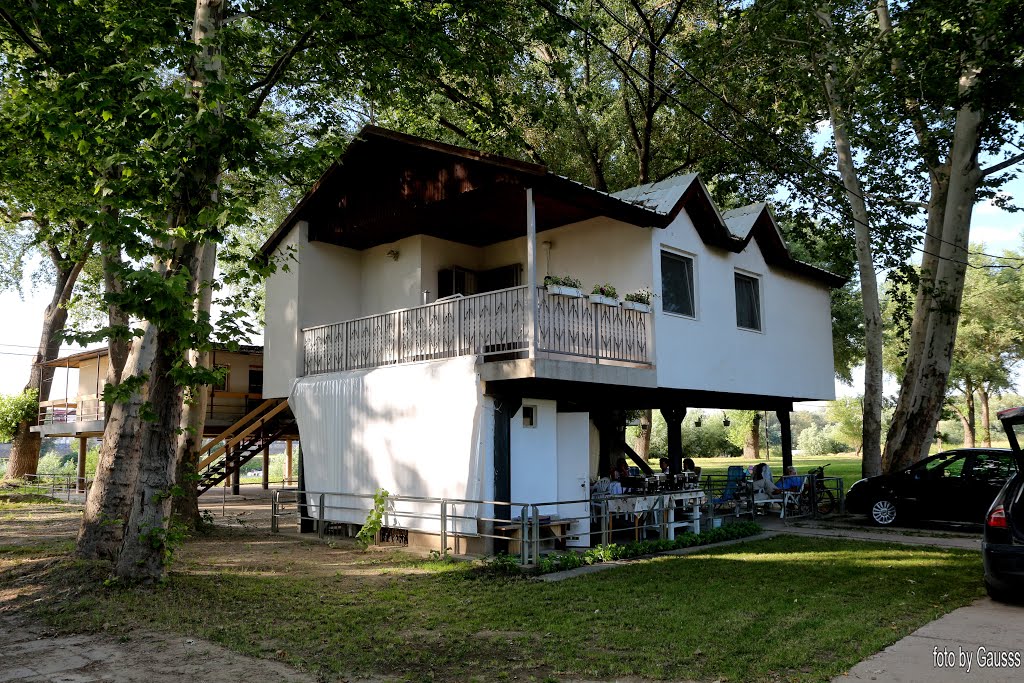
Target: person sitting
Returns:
[615, 483]
[763, 485]
[690, 466]
[665, 465]
[791, 482]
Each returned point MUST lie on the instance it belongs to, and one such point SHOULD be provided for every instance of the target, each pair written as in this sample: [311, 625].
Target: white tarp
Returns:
[413, 430]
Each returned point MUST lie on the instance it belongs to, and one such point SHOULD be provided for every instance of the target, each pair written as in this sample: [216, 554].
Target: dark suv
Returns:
[953, 486]
[1002, 546]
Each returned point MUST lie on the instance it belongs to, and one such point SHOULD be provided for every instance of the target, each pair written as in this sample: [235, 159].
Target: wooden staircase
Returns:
[242, 441]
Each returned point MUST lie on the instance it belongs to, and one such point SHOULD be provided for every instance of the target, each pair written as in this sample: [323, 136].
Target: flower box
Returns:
[603, 300]
[562, 290]
[636, 306]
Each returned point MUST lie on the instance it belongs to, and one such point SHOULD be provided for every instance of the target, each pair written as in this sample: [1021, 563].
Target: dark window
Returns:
[993, 467]
[748, 302]
[529, 416]
[677, 284]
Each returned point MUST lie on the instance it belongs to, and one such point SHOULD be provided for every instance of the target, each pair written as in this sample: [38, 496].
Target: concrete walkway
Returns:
[968, 644]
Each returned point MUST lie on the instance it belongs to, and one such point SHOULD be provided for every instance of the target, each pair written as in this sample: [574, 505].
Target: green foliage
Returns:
[15, 409]
[605, 290]
[563, 281]
[710, 440]
[814, 441]
[368, 533]
[642, 296]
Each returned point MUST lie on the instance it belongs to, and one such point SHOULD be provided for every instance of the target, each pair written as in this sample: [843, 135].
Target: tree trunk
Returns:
[965, 423]
[118, 347]
[25, 443]
[871, 463]
[107, 506]
[148, 537]
[752, 443]
[986, 424]
[643, 442]
[921, 396]
[193, 416]
[970, 431]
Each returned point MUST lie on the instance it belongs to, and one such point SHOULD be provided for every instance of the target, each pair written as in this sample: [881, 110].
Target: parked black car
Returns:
[1002, 545]
[952, 486]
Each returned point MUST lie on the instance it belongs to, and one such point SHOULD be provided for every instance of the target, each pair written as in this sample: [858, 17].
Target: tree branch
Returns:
[277, 70]
[20, 31]
[1006, 163]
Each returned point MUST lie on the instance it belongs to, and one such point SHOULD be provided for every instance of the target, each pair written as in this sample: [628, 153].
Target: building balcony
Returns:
[495, 325]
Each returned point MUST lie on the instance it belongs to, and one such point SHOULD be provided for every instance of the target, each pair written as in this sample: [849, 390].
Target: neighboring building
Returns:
[421, 352]
[80, 413]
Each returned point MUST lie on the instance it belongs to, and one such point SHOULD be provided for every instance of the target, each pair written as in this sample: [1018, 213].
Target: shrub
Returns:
[564, 281]
[641, 297]
[605, 290]
[814, 441]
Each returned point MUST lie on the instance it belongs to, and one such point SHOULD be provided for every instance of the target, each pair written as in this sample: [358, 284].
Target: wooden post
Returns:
[83, 448]
[288, 461]
[266, 465]
[787, 439]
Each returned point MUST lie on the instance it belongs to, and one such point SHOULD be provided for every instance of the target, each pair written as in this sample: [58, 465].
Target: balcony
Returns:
[495, 325]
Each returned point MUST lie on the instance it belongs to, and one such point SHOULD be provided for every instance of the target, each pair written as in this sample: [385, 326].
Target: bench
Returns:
[551, 530]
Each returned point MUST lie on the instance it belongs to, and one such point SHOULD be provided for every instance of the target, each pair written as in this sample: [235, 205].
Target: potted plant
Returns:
[638, 301]
[563, 285]
[604, 294]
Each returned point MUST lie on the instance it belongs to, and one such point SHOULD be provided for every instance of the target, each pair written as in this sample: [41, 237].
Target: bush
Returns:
[814, 441]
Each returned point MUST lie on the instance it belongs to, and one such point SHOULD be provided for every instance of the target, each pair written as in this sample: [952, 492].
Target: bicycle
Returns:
[824, 500]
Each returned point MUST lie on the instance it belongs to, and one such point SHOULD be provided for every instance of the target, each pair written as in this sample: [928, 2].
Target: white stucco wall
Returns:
[790, 356]
[282, 334]
[534, 455]
[597, 251]
[414, 430]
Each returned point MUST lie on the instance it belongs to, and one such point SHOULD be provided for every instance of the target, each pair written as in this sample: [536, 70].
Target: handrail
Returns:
[230, 430]
[244, 433]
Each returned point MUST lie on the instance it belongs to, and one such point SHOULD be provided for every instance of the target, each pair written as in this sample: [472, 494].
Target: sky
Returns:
[22, 318]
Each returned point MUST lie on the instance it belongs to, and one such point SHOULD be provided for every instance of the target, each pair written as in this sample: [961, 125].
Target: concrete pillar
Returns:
[787, 438]
[266, 466]
[674, 423]
[83, 448]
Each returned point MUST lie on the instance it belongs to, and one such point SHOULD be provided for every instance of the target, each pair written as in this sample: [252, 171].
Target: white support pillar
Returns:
[531, 272]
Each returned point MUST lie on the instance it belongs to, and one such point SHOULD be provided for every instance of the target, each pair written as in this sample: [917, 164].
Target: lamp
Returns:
[725, 419]
[697, 422]
[392, 254]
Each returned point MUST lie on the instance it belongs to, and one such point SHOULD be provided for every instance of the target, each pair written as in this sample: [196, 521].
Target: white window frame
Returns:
[661, 289]
[759, 279]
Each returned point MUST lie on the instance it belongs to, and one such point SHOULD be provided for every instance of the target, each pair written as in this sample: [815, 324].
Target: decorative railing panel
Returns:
[490, 324]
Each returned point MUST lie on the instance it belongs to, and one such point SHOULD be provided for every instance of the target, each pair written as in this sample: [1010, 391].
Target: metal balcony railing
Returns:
[490, 324]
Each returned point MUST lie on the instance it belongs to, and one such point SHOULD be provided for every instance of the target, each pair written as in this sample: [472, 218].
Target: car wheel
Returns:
[1000, 595]
[883, 512]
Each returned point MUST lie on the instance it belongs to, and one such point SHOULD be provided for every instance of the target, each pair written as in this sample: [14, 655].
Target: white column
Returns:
[531, 272]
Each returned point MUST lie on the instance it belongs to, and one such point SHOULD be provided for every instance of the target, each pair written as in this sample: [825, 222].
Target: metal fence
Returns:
[60, 484]
[489, 324]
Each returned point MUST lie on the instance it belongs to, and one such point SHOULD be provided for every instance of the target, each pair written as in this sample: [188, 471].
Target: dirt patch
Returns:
[27, 498]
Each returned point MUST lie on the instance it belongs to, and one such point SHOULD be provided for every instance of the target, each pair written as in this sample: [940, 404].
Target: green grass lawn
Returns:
[789, 608]
[846, 466]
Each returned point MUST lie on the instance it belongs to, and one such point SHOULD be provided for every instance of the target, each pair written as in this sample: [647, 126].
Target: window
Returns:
[677, 284]
[529, 416]
[993, 467]
[223, 384]
[748, 302]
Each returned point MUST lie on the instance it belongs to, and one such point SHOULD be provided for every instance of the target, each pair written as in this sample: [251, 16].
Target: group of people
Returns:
[764, 487]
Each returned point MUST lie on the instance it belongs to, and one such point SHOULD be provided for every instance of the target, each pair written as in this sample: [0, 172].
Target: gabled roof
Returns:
[662, 196]
[75, 360]
[389, 185]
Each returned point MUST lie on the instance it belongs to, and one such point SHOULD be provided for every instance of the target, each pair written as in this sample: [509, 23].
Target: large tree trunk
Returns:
[25, 443]
[922, 394]
[118, 346]
[752, 442]
[643, 442]
[986, 424]
[871, 463]
[966, 423]
[107, 507]
[147, 538]
[193, 416]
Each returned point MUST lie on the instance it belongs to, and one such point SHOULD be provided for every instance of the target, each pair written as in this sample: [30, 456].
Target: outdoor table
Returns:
[640, 505]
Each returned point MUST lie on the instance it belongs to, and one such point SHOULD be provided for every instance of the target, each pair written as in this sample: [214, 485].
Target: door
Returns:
[255, 389]
[938, 487]
[984, 475]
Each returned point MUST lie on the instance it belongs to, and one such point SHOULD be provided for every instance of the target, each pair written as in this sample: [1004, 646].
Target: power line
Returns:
[729, 139]
[796, 153]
